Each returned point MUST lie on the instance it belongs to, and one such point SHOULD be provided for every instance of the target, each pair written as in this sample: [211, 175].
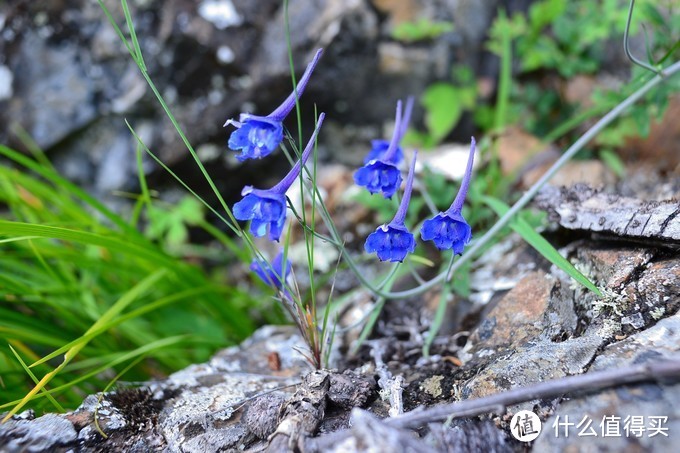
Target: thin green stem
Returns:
[136, 54]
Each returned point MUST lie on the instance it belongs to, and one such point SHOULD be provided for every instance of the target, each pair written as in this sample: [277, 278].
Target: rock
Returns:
[515, 148]
[350, 389]
[371, 434]
[6, 79]
[45, 433]
[262, 415]
[517, 317]
[592, 172]
[546, 328]
[583, 208]
[659, 147]
[469, 435]
[619, 411]
[67, 79]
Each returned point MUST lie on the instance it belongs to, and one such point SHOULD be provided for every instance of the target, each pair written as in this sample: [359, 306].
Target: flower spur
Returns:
[392, 241]
[449, 229]
[266, 209]
[380, 146]
[257, 136]
[382, 174]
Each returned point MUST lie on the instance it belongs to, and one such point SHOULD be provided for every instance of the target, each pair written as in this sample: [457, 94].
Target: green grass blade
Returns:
[120, 358]
[35, 380]
[84, 237]
[120, 305]
[139, 58]
[233, 226]
[505, 74]
[541, 245]
[190, 293]
[438, 319]
[105, 321]
[70, 187]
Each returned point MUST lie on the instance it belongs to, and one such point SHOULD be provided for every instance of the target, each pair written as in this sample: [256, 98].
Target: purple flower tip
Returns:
[379, 177]
[381, 174]
[390, 242]
[448, 231]
[256, 137]
[380, 147]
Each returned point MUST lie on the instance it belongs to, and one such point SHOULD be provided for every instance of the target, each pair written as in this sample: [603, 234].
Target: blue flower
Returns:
[393, 241]
[266, 209]
[449, 230]
[380, 146]
[257, 136]
[381, 174]
[274, 274]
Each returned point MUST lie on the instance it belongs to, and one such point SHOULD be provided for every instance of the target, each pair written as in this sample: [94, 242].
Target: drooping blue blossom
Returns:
[449, 230]
[274, 274]
[266, 209]
[392, 241]
[379, 146]
[382, 175]
[257, 136]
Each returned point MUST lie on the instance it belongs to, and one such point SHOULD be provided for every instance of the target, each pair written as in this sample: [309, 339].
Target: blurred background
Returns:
[67, 80]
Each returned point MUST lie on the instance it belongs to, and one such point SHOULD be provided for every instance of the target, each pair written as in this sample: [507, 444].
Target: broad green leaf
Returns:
[443, 108]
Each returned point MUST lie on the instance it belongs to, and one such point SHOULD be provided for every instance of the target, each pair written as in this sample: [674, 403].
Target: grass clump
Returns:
[83, 291]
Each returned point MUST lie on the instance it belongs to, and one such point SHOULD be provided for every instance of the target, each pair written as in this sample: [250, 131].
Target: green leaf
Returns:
[541, 14]
[443, 109]
[420, 30]
[613, 162]
[541, 245]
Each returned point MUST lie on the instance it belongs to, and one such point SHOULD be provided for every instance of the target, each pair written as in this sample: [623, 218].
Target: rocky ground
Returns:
[529, 326]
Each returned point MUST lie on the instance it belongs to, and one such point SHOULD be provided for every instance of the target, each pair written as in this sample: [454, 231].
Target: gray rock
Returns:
[629, 412]
[45, 433]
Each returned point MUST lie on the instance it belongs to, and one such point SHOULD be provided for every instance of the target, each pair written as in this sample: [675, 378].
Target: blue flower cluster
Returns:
[392, 241]
[266, 209]
[448, 230]
[274, 274]
[258, 136]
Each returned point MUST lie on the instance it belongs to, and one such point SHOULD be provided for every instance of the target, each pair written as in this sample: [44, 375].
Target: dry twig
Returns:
[665, 370]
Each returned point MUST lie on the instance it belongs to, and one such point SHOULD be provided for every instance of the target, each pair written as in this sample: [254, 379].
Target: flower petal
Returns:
[390, 243]
[265, 209]
[378, 149]
[378, 176]
[448, 230]
[257, 137]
